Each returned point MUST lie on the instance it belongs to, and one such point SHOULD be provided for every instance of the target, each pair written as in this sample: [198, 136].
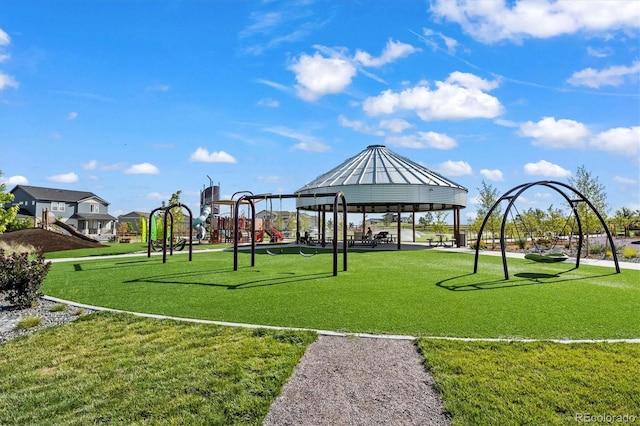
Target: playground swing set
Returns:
[540, 257]
[338, 196]
[154, 243]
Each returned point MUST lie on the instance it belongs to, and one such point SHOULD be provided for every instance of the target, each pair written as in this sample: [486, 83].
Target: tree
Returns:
[594, 191]
[623, 219]
[487, 197]
[425, 220]
[440, 225]
[7, 214]
[176, 212]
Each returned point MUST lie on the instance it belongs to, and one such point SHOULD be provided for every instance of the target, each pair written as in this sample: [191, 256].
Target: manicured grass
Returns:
[498, 383]
[110, 249]
[426, 292]
[118, 368]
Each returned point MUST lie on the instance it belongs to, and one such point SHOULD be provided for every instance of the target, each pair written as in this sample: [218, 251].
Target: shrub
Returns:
[58, 307]
[12, 247]
[629, 253]
[522, 243]
[21, 278]
[29, 321]
[483, 245]
[596, 249]
[546, 242]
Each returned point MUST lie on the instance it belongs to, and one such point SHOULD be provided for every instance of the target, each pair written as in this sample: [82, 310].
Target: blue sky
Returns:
[134, 100]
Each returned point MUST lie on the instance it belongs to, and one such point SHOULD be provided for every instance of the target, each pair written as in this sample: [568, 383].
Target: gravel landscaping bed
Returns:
[10, 316]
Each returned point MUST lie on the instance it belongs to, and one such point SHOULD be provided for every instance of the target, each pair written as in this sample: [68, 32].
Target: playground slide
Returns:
[70, 229]
[273, 232]
[202, 218]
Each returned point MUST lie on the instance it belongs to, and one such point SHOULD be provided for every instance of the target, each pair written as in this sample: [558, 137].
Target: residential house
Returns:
[83, 210]
[134, 219]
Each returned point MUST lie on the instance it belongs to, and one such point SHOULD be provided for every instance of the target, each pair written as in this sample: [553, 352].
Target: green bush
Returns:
[522, 243]
[629, 253]
[596, 249]
[483, 245]
[21, 278]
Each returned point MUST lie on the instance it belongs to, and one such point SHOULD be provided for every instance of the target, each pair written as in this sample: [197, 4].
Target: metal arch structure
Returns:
[336, 196]
[515, 192]
[167, 211]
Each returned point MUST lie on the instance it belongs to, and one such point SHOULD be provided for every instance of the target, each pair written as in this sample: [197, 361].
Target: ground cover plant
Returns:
[426, 292]
[499, 383]
[119, 368]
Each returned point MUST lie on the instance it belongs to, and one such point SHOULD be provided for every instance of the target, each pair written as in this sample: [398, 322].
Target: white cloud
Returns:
[72, 116]
[495, 175]
[15, 180]
[270, 179]
[204, 156]
[396, 125]
[268, 102]
[492, 21]
[312, 146]
[421, 140]
[64, 178]
[359, 126]
[91, 165]
[455, 168]
[612, 76]
[624, 141]
[459, 97]
[599, 53]
[318, 76]
[552, 133]
[545, 168]
[625, 181]
[5, 40]
[7, 81]
[306, 142]
[392, 51]
[158, 196]
[143, 169]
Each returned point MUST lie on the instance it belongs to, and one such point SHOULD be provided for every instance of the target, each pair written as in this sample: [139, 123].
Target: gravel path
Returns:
[359, 381]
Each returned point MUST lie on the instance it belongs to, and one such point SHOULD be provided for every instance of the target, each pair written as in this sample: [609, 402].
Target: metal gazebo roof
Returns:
[378, 180]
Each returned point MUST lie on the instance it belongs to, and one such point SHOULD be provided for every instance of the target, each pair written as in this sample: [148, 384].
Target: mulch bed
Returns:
[47, 241]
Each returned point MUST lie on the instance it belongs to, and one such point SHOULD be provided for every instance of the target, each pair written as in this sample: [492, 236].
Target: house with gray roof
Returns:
[83, 210]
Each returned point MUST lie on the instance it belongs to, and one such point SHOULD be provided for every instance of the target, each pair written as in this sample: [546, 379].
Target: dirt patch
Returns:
[47, 241]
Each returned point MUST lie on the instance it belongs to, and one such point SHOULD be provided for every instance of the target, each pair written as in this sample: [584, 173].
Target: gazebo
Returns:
[378, 180]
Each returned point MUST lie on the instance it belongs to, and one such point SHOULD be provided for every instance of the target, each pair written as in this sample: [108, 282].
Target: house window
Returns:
[94, 208]
[57, 206]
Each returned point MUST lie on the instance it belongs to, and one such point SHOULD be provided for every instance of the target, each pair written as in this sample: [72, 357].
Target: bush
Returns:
[21, 278]
[596, 249]
[522, 243]
[483, 245]
[629, 253]
[29, 321]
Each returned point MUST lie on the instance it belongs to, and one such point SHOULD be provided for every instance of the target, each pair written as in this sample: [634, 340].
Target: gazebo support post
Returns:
[413, 221]
[399, 225]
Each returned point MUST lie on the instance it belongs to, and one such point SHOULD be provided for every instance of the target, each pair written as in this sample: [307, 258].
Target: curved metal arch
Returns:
[167, 211]
[338, 196]
[518, 191]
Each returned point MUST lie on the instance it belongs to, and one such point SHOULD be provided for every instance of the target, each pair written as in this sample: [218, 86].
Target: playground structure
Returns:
[49, 219]
[336, 197]
[536, 257]
[167, 233]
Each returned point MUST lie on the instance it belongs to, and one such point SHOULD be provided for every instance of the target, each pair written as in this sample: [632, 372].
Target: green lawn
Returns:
[541, 383]
[425, 292]
[122, 369]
